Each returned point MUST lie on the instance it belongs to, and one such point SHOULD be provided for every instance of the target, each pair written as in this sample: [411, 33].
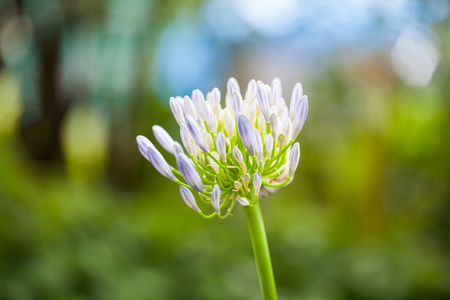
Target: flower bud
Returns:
[237, 186]
[294, 158]
[257, 181]
[215, 198]
[242, 201]
[258, 145]
[246, 178]
[215, 100]
[160, 164]
[297, 93]
[274, 124]
[189, 108]
[286, 129]
[186, 139]
[188, 198]
[268, 143]
[238, 156]
[143, 144]
[163, 138]
[221, 146]
[246, 133]
[198, 99]
[237, 104]
[300, 117]
[212, 162]
[250, 94]
[208, 140]
[189, 172]
[262, 125]
[177, 149]
[230, 127]
[263, 100]
[252, 113]
[281, 140]
[177, 110]
[195, 133]
[209, 115]
[233, 86]
[276, 91]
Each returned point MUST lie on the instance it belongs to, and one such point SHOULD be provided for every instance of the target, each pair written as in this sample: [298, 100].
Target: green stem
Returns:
[261, 250]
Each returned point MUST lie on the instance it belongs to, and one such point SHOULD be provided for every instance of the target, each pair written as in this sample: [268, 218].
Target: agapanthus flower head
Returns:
[241, 152]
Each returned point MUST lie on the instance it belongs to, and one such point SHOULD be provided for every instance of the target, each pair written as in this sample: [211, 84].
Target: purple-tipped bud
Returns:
[246, 133]
[263, 100]
[188, 198]
[198, 99]
[274, 124]
[300, 117]
[294, 158]
[243, 201]
[237, 104]
[186, 139]
[177, 110]
[143, 144]
[250, 94]
[160, 164]
[189, 172]
[195, 133]
[268, 143]
[297, 93]
[233, 86]
[221, 146]
[275, 91]
[257, 181]
[163, 138]
[238, 156]
[177, 149]
[215, 198]
[258, 146]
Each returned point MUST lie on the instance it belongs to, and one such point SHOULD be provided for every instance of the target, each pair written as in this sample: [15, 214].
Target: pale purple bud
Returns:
[237, 104]
[143, 145]
[276, 91]
[246, 133]
[263, 100]
[274, 124]
[242, 201]
[257, 181]
[160, 164]
[294, 158]
[186, 139]
[221, 146]
[268, 143]
[177, 149]
[198, 99]
[238, 156]
[189, 108]
[297, 93]
[196, 133]
[230, 126]
[233, 86]
[188, 198]
[163, 138]
[250, 94]
[209, 115]
[300, 117]
[215, 100]
[258, 146]
[189, 172]
[215, 198]
[177, 110]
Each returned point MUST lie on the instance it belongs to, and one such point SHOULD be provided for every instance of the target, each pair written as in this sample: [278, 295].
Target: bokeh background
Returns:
[84, 216]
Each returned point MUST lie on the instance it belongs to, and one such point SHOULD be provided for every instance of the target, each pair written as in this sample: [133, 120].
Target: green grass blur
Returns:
[84, 216]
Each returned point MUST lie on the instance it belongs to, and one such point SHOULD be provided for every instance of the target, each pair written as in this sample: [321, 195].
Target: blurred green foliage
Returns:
[83, 216]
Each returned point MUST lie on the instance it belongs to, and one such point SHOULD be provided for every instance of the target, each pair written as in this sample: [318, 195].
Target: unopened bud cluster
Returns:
[238, 153]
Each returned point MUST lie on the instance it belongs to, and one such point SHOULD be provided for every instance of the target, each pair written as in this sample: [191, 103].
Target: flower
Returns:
[237, 153]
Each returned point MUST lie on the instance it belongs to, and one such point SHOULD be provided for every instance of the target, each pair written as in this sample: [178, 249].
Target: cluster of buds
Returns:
[238, 153]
